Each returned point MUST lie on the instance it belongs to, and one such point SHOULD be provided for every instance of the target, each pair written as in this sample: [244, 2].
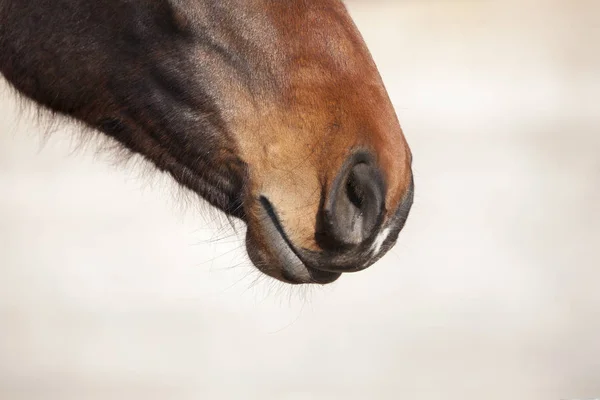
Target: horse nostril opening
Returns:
[366, 195]
[354, 193]
[354, 207]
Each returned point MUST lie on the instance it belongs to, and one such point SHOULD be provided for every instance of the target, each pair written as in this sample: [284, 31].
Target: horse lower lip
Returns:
[323, 277]
[316, 276]
[293, 269]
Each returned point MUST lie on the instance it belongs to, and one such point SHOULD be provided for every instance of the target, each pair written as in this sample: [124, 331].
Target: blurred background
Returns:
[113, 287]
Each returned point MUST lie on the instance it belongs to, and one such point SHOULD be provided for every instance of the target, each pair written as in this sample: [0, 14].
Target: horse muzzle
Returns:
[353, 228]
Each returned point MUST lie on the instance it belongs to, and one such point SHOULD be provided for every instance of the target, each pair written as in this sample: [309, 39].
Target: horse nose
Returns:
[355, 205]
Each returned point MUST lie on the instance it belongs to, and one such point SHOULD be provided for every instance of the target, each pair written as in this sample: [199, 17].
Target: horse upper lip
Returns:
[299, 258]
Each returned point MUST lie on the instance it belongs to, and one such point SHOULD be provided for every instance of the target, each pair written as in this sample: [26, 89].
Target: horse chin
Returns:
[272, 253]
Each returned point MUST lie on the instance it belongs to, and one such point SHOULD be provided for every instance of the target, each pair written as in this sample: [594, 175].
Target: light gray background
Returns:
[112, 288]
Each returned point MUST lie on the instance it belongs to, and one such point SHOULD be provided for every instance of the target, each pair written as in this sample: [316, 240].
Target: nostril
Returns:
[354, 206]
[354, 192]
[366, 194]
